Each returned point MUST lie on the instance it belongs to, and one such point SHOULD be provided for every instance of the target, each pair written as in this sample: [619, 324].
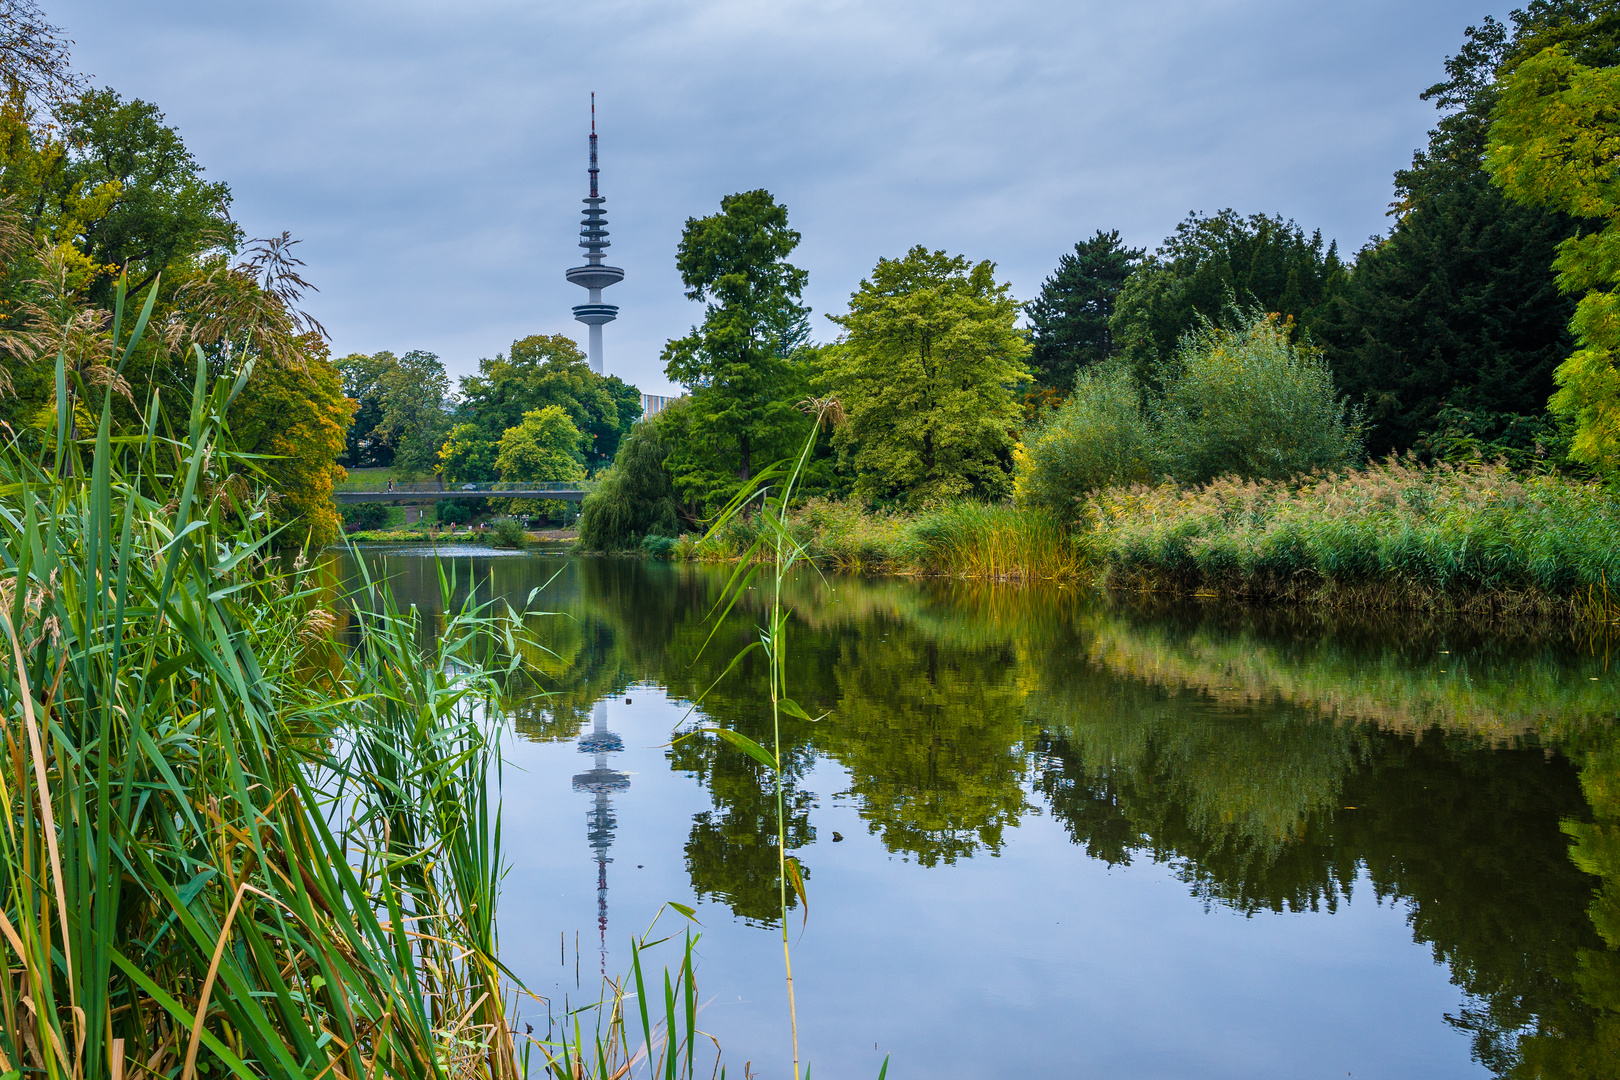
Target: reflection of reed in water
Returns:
[1405, 686]
[600, 781]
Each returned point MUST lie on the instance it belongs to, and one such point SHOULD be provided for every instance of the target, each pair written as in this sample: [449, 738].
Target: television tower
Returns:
[593, 275]
[601, 782]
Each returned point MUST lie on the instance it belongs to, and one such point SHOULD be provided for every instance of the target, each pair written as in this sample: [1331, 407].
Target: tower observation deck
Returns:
[595, 276]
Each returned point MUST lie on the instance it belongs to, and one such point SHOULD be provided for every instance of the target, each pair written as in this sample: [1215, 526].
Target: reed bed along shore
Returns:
[964, 539]
[249, 822]
[1393, 536]
[232, 844]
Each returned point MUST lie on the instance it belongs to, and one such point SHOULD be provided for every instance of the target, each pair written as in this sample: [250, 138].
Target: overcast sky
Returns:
[431, 156]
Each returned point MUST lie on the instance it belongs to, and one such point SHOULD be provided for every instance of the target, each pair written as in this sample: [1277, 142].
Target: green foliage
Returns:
[634, 499]
[742, 380]
[1097, 437]
[1070, 319]
[113, 187]
[1388, 536]
[452, 511]
[365, 448]
[545, 446]
[1523, 442]
[550, 370]
[401, 418]
[364, 516]
[1553, 141]
[294, 415]
[658, 546]
[1212, 266]
[162, 211]
[1457, 308]
[413, 414]
[507, 533]
[925, 373]
[1251, 403]
[468, 455]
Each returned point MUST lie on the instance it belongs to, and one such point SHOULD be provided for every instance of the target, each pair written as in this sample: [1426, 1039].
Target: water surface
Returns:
[1045, 835]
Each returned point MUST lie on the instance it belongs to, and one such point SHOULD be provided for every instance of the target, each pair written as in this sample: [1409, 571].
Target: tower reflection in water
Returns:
[600, 781]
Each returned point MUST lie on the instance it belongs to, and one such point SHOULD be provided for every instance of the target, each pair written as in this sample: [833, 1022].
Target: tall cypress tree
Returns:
[1070, 316]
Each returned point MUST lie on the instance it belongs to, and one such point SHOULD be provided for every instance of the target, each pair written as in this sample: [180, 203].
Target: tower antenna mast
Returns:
[594, 275]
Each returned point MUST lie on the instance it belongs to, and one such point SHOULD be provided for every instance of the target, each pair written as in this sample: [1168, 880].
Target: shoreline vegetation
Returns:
[1394, 536]
[251, 815]
[217, 808]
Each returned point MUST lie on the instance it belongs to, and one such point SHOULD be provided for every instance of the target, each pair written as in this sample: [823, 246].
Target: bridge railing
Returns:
[498, 487]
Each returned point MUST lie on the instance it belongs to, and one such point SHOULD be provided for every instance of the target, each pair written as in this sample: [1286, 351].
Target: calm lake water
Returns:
[1049, 835]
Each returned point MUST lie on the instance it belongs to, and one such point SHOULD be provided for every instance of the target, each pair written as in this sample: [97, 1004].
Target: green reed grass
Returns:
[958, 539]
[1391, 536]
[759, 515]
[229, 847]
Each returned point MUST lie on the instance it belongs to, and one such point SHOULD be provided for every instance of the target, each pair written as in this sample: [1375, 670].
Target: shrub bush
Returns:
[366, 515]
[659, 547]
[1254, 404]
[1097, 437]
[452, 512]
[507, 533]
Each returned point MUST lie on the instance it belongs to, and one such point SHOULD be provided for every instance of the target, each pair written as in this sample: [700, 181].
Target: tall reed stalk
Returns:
[229, 846]
[774, 551]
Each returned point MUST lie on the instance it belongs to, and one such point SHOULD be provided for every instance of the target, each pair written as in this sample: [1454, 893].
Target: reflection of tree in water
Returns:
[1220, 744]
[1584, 1039]
[1251, 804]
[933, 740]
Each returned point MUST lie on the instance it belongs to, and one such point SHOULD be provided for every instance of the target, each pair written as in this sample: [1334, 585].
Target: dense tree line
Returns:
[1446, 336]
[103, 207]
[1241, 344]
[1447, 330]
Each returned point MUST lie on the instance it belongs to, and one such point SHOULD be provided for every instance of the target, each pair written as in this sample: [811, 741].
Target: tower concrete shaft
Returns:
[594, 276]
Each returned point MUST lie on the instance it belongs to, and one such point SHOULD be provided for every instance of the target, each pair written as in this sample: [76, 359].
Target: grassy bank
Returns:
[1391, 536]
[962, 539]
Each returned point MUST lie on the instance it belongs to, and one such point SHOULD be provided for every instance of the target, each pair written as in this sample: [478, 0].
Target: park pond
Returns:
[1047, 833]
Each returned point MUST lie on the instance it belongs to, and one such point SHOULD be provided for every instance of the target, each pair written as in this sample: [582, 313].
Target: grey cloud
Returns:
[432, 155]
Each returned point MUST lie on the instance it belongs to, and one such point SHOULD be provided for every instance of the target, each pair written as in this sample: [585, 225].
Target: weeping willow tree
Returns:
[634, 498]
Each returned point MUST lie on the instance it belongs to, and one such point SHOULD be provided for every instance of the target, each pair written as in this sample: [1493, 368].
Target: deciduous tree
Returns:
[296, 415]
[413, 413]
[925, 371]
[468, 455]
[545, 446]
[362, 376]
[1555, 142]
[738, 365]
[550, 369]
